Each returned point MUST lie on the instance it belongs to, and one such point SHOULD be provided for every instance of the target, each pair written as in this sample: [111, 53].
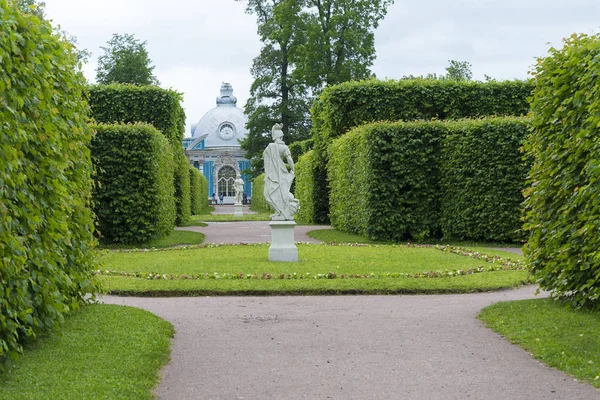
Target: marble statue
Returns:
[238, 185]
[278, 178]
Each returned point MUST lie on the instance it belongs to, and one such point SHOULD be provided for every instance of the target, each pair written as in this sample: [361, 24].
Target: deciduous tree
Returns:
[125, 60]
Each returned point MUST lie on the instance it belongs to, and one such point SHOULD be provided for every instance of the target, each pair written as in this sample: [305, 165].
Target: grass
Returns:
[102, 352]
[562, 338]
[176, 238]
[350, 269]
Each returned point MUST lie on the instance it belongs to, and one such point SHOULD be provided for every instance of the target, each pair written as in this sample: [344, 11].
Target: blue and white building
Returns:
[214, 147]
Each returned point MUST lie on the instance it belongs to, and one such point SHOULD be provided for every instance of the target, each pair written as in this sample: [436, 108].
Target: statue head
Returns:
[276, 131]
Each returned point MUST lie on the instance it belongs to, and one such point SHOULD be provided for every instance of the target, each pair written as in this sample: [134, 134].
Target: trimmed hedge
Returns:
[130, 103]
[413, 180]
[385, 180]
[342, 107]
[153, 105]
[259, 204]
[305, 186]
[563, 203]
[198, 191]
[46, 225]
[483, 176]
[133, 195]
[299, 148]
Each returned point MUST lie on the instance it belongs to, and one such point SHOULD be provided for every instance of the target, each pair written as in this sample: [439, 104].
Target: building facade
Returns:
[214, 147]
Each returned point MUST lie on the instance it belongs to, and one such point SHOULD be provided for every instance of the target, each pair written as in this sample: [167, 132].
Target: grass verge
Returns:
[562, 338]
[322, 269]
[176, 238]
[102, 352]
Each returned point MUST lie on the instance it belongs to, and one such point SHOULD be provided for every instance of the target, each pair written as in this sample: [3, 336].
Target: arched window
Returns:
[225, 181]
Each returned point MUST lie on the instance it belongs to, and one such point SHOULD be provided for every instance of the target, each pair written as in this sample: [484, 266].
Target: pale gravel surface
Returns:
[348, 347]
[344, 347]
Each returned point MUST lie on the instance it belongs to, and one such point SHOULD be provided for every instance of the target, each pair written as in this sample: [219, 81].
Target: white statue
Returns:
[238, 185]
[278, 179]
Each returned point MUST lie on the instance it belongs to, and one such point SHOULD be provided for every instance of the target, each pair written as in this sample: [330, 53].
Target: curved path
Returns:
[348, 347]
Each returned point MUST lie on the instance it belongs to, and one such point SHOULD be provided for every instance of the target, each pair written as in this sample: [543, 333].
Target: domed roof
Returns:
[223, 125]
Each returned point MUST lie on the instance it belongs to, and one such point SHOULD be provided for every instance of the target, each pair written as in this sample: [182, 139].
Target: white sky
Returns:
[197, 44]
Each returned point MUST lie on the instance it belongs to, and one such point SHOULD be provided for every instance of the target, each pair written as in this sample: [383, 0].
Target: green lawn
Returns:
[322, 269]
[177, 238]
[562, 338]
[102, 352]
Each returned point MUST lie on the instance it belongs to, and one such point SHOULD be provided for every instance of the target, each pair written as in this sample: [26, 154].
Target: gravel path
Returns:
[348, 347]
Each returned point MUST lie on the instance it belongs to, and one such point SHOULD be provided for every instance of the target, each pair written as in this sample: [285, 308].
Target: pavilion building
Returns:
[214, 147]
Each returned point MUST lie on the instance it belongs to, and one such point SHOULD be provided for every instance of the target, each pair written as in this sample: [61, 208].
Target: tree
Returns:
[125, 60]
[340, 43]
[276, 95]
[308, 44]
[33, 7]
[459, 70]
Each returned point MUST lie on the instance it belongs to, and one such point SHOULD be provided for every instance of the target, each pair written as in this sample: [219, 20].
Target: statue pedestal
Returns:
[283, 246]
[238, 210]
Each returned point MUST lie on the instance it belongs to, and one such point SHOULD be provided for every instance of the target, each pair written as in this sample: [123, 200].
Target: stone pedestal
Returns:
[283, 246]
[238, 210]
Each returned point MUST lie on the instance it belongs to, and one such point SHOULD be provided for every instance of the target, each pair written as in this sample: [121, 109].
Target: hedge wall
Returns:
[483, 176]
[342, 107]
[299, 148]
[305, 186]
[133, 195]
[385, 180]
[198, 191]
[46, 226]
[129, 103]
[411, 180]
[259, 204]
[563, 203]
[153, 105]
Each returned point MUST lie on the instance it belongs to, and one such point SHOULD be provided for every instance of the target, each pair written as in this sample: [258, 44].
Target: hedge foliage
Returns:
[259, 204]
[134, 192]
[153, 105]
[305, 186]
[46, 226]
[198, 191]
[563, 203]
[129, 103]
[342, 107]
[299, 148]
[412, 180]
[483, 175]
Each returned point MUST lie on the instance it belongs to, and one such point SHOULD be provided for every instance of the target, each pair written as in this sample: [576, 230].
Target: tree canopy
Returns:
[307, 45]
[125, 60]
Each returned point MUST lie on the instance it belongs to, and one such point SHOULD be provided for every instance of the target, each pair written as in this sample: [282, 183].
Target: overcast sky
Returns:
[197, 44]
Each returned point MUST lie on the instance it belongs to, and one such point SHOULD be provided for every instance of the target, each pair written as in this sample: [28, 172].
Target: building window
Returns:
[225, 181]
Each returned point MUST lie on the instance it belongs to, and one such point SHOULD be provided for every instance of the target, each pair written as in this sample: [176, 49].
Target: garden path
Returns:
[348, 347]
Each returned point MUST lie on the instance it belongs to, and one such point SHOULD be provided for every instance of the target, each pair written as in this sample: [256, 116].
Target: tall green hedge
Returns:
[198, 191]
[563, 203]
[259, 204]
[342, 107]
[483, 175]
[385, 180]
[133, 195]
[153, 105]
[46, 226]
[460, 179]
[305, 186]
[130, 103]
[299, 148]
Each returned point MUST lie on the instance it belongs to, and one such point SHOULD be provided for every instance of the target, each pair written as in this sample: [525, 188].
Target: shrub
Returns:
[563, 202]
[299, 148]
[133, 195]
[342, 107]
[153, 105]
[198, 191]
[483, 176]
[385, 180]
[259, 204]
[305, 186]
[46, 226]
